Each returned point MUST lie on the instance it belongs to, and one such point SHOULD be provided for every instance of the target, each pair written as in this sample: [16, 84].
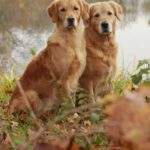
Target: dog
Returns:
[101, 47]
[55, 71]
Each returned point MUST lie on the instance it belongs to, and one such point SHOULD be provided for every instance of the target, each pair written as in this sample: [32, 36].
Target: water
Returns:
[25, 26]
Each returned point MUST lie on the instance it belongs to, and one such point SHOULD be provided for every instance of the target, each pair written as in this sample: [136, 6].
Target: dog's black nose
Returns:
[71, 20]
[105, 25]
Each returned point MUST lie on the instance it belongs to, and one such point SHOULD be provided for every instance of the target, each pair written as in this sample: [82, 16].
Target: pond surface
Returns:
[25, 27]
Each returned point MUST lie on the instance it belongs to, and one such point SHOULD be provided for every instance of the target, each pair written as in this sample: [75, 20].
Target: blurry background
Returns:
[25, 27]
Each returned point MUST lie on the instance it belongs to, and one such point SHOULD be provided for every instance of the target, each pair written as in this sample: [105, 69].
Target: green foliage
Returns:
[7, 84]
[124, 80]
[17, 139]
[8, 80]
[121, 82]
[142, 74]
[32, 51]
[99, 140]
[67, 105]
[81, 141]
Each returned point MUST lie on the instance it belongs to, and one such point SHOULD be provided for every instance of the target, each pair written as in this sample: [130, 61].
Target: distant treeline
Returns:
[32, 13]
[23, 14]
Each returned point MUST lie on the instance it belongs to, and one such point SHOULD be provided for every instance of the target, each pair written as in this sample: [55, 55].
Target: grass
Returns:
[7, 83]
[86, 123]
[121, 82]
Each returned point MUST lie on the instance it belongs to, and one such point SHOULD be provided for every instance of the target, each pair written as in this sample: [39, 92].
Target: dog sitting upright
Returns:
[55, 71]
[101, 47]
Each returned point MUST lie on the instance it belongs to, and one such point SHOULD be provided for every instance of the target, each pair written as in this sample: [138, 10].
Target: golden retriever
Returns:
[101, 47]
[55, 71]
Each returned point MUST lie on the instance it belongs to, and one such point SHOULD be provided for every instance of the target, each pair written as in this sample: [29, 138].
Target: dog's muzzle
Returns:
[105, 27]
[71, 22]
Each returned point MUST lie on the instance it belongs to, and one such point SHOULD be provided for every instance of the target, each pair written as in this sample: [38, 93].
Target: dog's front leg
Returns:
[69, 81]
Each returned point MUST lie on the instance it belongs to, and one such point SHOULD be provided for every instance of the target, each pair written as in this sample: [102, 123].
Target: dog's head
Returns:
[103, 16]
[67, 13]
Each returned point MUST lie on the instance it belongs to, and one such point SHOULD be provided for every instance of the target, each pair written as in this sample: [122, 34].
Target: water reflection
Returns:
[25, 25]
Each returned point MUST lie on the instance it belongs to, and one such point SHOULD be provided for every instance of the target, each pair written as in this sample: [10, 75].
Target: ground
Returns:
[84, 125]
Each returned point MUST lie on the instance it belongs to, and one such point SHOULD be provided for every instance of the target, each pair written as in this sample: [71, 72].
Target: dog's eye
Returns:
[76, 8]
[109, 13]
[96, 15]
[62, 9]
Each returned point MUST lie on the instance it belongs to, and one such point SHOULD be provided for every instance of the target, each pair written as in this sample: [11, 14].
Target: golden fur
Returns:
[55, 71]
[101, 47]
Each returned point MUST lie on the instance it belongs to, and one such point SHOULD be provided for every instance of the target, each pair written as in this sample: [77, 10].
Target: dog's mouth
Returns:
[70, 26]
[106, 32]
[71, 23]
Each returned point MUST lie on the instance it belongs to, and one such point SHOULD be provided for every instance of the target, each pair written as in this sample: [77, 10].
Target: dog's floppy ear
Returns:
[118, 10]
[84, 10]
[52, 11]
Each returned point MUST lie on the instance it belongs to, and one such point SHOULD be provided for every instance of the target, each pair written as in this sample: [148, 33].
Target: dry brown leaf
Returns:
[5, 144]
[128, 123]
[145, 92]
[58, 145]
